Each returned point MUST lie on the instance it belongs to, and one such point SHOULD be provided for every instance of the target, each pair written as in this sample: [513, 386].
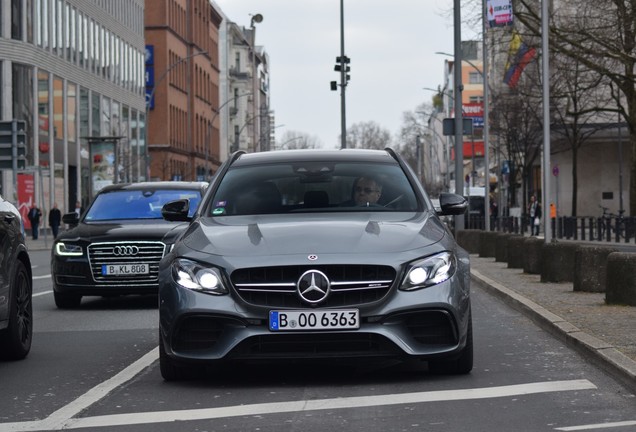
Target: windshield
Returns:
[137, 204]
[313, 187]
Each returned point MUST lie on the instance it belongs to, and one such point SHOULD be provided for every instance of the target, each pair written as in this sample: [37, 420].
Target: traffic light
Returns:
[12, 135]
[342, 64]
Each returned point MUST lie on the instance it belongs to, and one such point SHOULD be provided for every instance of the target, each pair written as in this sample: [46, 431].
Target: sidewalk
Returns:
[41, 243]
[604, 334]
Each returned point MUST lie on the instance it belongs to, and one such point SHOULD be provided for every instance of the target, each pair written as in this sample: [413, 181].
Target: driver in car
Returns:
[366, 191]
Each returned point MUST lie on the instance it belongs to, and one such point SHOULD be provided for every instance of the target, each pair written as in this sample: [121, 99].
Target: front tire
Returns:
[16, 339]
[67, 300]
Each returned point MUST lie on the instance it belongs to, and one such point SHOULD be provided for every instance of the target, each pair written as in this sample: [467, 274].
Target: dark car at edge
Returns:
[16, 286]
[114, 248]
[281, 263]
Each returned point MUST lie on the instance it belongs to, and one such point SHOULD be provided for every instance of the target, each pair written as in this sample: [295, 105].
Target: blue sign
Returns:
[478, 122]
[150, 99]
[150, 76]
[150, 55]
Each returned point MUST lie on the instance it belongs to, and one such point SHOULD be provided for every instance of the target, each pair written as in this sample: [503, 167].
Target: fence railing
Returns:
[603, 229]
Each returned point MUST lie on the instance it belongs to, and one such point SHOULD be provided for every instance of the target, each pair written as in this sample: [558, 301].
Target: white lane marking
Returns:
[63, 417]
[48, 276]
[42, 293]
[58, 419]
[598, 426]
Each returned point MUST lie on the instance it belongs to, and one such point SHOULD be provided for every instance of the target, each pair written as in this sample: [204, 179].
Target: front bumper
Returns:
[426, 323]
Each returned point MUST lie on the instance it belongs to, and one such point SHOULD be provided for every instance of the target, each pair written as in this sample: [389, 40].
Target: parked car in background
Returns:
[16, 286]
[114, 248]
[315, 254]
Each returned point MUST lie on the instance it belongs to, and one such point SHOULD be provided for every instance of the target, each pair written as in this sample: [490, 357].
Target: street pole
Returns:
[484, 76]
[459, 118]
[211, 124]
[546, 120]
[418, 151]
[343, 82]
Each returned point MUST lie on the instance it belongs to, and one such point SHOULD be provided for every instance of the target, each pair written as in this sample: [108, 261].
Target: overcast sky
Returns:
[391, 45]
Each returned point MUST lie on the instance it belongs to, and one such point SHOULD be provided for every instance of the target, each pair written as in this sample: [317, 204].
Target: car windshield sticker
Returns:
[218, 211]
[221, 203]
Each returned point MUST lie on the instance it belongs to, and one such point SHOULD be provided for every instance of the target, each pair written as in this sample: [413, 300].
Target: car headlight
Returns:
[196, 277]
[67, 249]
[429, 271]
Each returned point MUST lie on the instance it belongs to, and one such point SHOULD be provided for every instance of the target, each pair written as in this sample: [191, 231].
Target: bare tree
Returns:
[414, 125]
[577, 96]
[516, 124]
[368, 135]
[294, 140]
[600, 35]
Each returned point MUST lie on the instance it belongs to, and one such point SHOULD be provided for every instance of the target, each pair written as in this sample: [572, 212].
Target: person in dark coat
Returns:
[34, 217]
[55, 218]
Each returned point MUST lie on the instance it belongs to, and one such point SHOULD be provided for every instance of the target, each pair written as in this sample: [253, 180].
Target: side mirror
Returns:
[452, 204]
[176, 211]
[71, 219]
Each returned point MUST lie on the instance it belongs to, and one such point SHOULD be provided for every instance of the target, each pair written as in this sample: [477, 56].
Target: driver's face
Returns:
[366, 191]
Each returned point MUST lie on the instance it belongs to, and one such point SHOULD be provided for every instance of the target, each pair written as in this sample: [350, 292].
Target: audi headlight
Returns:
[196, 277]
[67, 249]
[429, 271]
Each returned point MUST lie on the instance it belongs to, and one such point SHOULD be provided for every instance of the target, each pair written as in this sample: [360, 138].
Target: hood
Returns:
[315, 233]
[150, 230]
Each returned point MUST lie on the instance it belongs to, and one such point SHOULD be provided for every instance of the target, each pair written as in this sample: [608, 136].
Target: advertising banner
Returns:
[102, 164]
[26, 196]
[499, 13]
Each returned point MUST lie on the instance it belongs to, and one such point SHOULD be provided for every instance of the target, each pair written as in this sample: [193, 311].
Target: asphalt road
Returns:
[96, 369]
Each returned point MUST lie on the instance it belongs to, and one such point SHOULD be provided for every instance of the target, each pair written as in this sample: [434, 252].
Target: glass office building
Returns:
[73, 71]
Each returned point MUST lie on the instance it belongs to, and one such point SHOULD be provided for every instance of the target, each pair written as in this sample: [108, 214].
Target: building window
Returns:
[16, 19]
[474, 78]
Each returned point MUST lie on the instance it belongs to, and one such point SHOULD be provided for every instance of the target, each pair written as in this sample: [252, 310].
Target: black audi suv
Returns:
[114, 248]
[315, 254]
[16, 286]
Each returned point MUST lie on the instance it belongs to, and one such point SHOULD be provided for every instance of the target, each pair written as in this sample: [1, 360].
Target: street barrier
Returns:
[532, 255]
[557, 262]
[516, 251]
[487, 244]
[590, 268]
[621, 279]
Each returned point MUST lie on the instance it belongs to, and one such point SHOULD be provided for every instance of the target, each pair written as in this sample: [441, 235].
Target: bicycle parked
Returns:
[611, 225]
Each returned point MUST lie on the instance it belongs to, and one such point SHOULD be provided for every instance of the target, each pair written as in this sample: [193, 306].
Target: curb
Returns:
[602, 354]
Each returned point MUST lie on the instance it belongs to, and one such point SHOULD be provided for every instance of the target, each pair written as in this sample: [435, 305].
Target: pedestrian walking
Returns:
[534, 210]
[34, 216]
[78, 208]
[55, 218]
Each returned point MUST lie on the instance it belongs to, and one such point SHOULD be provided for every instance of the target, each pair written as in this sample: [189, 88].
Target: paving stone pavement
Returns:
[605, 333]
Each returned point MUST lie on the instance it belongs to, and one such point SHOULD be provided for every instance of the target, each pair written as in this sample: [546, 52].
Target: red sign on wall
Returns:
[26, 196]
[468, 149]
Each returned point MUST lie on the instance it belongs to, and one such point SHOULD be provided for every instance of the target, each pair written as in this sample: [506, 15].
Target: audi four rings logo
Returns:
[125, 250]
[313, 286]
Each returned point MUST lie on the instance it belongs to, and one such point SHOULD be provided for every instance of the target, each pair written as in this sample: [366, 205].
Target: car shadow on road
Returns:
[123, 302]
[308, 373]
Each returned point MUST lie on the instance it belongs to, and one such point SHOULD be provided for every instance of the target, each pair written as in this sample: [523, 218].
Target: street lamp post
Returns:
[149, 98]
[343, 82]
[211, 124]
